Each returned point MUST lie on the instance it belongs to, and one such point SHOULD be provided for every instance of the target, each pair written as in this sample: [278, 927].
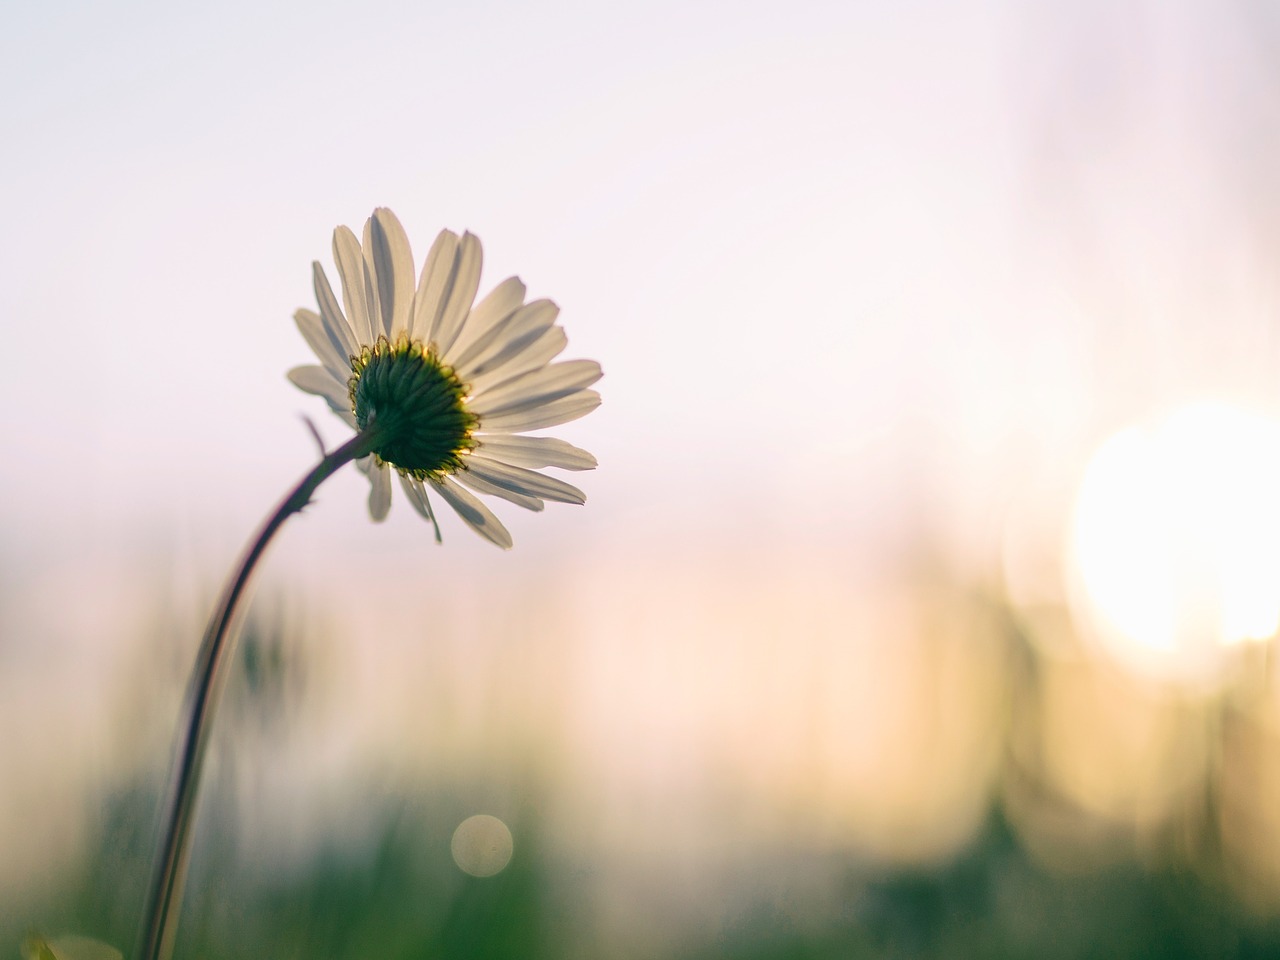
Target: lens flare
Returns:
[1175, 540]
[481, 846]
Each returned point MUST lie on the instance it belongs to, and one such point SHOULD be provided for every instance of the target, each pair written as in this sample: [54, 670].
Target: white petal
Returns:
[437, 274]
[417, 496]
[537, 354]
[476, 515]
[480, 485]
[322, 383]
[553, 413]
[335, 322]
[519, 480]
[372, 310]
[523, 329]
[350, 261]
[535, 452]
[537, 386]
[387, 248]
[462, 294]
[313, 331]
[379, 492]
[487, 321]
[345, 415]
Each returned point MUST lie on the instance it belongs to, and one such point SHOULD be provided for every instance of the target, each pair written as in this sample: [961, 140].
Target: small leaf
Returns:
[36, 947]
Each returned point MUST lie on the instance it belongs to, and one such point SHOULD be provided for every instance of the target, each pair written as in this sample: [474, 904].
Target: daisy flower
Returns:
[443, 388]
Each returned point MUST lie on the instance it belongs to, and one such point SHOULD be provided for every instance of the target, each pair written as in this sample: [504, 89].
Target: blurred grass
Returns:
[387, 887]
[403, 899]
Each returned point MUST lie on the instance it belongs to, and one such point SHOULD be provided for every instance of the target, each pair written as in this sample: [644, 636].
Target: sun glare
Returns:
[1175, 539]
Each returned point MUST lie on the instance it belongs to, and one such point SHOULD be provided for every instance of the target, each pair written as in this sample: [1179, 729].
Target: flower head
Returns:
[444, 390]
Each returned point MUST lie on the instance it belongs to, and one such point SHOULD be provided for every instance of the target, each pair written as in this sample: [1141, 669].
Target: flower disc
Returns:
[413, 403]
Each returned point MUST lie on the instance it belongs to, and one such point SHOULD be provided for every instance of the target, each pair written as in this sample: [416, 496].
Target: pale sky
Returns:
[828, 254]
[730, 211]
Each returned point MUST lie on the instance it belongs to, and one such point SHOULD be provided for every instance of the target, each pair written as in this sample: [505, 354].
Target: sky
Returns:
[824, 252]
[747, 219]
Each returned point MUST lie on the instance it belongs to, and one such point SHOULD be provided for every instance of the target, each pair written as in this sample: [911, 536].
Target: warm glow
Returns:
[1175, 537]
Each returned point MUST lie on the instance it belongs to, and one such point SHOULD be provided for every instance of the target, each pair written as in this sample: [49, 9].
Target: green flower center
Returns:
[412, 404]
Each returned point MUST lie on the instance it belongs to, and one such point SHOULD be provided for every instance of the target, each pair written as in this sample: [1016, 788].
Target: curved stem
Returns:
[165, 897]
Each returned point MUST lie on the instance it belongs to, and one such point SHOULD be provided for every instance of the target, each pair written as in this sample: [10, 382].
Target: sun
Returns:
[1174, 544]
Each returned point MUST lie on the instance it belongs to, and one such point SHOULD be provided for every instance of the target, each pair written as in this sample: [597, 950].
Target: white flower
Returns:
[443, 389]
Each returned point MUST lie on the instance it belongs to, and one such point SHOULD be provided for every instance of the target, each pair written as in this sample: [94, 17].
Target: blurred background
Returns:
[924, 601]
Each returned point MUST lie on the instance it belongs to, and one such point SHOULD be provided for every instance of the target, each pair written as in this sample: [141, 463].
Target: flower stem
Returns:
[165, 897]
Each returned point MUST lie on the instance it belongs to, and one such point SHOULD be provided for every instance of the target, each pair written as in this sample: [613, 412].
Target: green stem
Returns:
[165, 898]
